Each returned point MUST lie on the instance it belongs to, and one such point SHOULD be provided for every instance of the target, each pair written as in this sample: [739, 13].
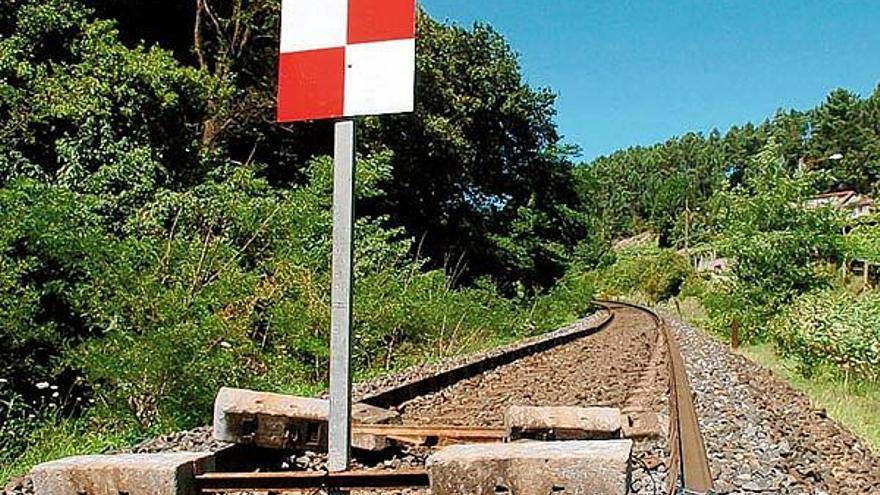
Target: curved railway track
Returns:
[536, 373]
[688, 463]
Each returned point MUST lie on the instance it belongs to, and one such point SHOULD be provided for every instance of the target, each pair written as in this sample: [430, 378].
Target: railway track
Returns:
[635, 363]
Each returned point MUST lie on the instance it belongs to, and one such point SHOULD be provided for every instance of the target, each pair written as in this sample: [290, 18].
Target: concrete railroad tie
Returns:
[563, 423]
[277, 421]
[533, 468]
[131, 474]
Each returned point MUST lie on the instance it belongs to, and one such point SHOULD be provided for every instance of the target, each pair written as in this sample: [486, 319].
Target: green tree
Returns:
[80, 109]
[840, 126]
[481, 146]
[655, 188]
[775, 241]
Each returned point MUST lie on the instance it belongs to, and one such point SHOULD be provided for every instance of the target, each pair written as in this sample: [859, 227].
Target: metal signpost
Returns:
[341, 298]
[340, 59]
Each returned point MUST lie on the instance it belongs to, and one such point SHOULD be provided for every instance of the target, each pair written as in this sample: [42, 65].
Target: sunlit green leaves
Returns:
[834, 330]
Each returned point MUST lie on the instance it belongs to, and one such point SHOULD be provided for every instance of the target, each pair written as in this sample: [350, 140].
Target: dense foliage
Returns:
[787, 280]
[478, 166]
[162, 236]
[743, 195]
[644, 272]
[778, 243]
[479, 175]
[667, 187]
[832, 331]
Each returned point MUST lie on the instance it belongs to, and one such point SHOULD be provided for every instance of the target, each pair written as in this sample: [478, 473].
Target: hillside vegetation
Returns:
[796, 272]
[745, 195]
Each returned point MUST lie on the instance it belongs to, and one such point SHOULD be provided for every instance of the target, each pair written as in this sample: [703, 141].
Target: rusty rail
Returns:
[689, 464]
[688, 444]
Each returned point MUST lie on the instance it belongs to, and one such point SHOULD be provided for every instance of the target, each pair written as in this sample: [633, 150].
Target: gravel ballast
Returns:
[608, 369]
[765, 437]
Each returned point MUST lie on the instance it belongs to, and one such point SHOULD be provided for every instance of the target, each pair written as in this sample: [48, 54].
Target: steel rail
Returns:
[689, 463]
[221, 482]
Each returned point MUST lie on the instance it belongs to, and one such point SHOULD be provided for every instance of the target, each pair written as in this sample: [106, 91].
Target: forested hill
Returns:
[650, 188]
[94, 95]
[793, 274]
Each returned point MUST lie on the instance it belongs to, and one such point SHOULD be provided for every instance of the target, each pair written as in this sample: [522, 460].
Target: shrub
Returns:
[651, 273]
[778, 245]
[832, 330]
[568, 300]
[226, 284]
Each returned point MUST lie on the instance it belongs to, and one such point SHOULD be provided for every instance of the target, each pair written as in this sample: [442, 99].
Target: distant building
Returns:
[855, 204]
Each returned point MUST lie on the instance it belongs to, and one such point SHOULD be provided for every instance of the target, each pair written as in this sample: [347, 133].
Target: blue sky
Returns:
[637, 72]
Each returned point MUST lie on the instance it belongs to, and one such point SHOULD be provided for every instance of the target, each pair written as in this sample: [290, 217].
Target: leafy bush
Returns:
[862, 242]
[80, 109]
[777, 245]
[651, 273]
[568, 300]
[43, 267]
[832, 330]
[224, 284]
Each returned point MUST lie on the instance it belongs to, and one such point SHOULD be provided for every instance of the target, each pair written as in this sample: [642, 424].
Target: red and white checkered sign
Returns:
[343, 58]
